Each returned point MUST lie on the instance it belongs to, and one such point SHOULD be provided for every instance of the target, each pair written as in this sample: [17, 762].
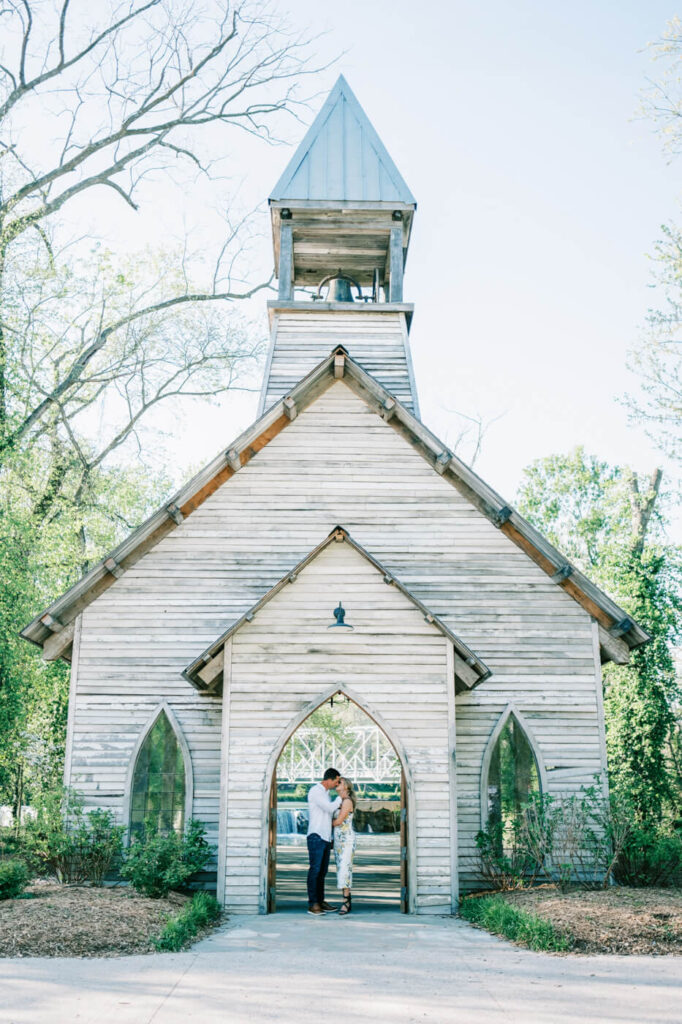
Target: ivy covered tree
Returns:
[609, 521]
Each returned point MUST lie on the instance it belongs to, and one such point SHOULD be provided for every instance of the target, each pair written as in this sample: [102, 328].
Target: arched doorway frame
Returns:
[408, 795]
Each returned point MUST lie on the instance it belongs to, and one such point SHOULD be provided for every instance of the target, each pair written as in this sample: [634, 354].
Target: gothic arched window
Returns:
[158, 790]
[512, 775]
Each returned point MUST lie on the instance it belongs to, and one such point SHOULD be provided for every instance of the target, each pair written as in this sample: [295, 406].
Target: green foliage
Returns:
[202, 910]
[14, 876]
[498, 916]
[652, 856]
[74, 846]
[610, 523]
[40, 556]
[156, 862]
[583, 840]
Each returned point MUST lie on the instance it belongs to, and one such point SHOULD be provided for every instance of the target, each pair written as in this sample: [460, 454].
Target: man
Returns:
[320, 813]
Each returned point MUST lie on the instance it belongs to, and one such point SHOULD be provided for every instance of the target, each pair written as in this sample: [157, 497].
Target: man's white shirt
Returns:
[321, 810]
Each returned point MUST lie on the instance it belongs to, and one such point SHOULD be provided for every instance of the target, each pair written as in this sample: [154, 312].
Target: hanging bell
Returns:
[339, 289]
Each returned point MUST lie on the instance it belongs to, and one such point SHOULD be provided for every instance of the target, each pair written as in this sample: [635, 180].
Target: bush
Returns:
[14, 876]
[157, 863]
[652, 855]
[202, 910]
[74, 846]
[498, 916]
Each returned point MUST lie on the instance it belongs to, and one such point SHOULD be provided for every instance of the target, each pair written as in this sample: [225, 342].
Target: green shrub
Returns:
[203, 909]
[156, 863]
[500, 917]
[14, 876]
[652, 855]
[66, 842]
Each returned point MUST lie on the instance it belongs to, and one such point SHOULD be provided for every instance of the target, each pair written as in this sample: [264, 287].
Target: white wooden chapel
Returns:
[213, 617]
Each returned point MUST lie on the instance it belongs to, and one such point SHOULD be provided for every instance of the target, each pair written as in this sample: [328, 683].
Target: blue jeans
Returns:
[318, 855]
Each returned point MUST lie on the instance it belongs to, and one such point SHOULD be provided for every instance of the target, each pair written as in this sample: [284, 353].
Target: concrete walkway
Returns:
[295, 969]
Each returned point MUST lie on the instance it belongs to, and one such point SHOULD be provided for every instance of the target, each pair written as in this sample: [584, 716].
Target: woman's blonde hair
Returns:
[352, 796]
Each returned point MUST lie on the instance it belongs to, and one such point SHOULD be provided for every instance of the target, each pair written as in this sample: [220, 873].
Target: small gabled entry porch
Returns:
[398, 663]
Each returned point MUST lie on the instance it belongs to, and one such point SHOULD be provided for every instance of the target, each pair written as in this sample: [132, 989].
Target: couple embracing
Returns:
[325, 814]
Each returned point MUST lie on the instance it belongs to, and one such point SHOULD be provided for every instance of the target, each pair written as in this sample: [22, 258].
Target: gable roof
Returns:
[205, 671]
[341, 158]
[53, 628]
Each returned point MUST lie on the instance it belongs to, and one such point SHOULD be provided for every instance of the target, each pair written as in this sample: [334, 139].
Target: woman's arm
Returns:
[346, 808]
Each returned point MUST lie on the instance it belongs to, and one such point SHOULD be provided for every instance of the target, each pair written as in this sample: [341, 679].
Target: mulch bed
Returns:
[615, 920]
[78, 920]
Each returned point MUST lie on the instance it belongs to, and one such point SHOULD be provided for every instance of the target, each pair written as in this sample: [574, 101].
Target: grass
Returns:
[202, 910]
[498, 916]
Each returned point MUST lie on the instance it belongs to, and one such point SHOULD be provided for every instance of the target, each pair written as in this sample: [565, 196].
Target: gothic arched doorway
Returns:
[339, 732]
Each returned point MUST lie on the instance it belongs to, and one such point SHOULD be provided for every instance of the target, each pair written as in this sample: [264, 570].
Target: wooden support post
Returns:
[452, 776]
[286, 261]
[395, 282]
[339, 365]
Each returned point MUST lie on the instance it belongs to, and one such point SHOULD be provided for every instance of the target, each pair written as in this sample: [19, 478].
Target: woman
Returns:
[344, 842]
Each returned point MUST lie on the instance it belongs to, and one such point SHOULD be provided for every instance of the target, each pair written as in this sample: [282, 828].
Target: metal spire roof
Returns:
[342, 158]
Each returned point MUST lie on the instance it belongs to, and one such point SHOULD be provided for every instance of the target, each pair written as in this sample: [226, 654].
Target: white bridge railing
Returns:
[363, 754]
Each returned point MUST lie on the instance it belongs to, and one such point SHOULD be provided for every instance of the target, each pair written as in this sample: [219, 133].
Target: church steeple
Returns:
[341, 222]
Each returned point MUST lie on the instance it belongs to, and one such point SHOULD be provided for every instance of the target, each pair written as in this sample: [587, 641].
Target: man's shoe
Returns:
[316, 910]
[327, 908]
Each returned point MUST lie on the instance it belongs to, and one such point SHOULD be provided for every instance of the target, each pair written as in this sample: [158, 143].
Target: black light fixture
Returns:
[339, 614]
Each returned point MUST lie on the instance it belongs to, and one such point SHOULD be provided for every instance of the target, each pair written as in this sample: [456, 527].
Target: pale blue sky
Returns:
[539, 195]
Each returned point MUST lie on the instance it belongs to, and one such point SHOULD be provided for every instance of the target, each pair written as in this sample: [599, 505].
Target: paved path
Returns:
[384, 967]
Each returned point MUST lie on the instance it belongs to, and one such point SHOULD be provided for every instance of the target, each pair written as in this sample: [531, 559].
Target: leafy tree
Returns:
[610, 523]
[658, 360]
[117, 94]
[41, 556]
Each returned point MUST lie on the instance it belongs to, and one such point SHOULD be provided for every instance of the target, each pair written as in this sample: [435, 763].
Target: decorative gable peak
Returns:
[341, 210]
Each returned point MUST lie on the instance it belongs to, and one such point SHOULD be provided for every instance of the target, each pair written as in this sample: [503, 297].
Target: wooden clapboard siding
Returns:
[377, 340]
[287, 657]
[338, 462]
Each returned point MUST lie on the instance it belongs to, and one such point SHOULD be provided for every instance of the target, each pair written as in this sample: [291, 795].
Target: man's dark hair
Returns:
[331, 773]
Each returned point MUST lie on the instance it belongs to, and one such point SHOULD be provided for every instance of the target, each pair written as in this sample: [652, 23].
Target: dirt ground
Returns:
[77, 920]
[615, 920]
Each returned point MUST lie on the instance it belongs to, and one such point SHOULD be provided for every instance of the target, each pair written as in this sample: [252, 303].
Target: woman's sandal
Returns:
[345, 906]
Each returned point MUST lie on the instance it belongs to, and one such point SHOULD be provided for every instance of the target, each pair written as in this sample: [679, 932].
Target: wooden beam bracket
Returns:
[232, 456]
[442, 462]
[112, 566]
[388, 409]
[613, 648]
[290, 409]
[503, 515]
[174, 513]
[339, 365]
[620, 628]
[54, 625]
[562, 573]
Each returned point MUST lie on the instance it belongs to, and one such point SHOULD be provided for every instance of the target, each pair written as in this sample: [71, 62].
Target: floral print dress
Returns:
[344, 848]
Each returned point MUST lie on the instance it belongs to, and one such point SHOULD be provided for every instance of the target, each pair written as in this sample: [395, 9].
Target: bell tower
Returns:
[341, 222]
